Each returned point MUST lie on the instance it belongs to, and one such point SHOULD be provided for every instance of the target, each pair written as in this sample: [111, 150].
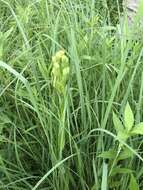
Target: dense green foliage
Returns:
[66, 139]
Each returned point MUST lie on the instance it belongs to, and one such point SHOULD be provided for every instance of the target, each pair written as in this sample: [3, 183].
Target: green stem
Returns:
[114, 161]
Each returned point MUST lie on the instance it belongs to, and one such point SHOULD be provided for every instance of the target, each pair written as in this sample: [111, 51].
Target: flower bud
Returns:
[60, 71]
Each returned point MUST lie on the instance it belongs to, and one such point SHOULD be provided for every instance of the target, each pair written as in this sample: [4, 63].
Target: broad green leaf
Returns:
[123, 136]
[133, 184]
[118, 170]
[110, 154]
[126, 153]
[128, 117]
[138, 129]
[117, 123]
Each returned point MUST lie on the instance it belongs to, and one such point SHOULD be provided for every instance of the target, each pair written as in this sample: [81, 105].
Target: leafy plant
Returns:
[127, 128]
[124, 129]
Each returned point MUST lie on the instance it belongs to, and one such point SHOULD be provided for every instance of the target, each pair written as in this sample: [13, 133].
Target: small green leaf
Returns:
[133, 184]
[138, 129]
[110, 154]
[128, 117]
[118, 170]
[117, 123]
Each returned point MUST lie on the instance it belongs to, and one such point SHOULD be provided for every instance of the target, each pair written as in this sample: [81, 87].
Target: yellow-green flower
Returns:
[60, 71]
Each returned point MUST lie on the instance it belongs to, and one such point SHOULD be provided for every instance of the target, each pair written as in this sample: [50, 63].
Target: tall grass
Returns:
[105, 72]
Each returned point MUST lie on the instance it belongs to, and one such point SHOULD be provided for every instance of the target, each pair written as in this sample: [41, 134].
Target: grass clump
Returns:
[65, 66]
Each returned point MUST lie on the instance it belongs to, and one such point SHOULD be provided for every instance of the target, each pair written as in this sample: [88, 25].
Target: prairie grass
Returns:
[106, 72]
